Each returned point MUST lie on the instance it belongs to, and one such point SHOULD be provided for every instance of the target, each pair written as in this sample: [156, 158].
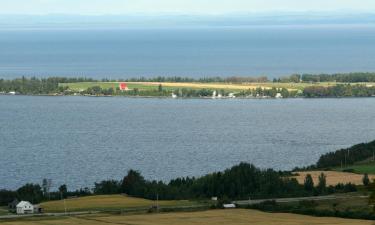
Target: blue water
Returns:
[81, 140]
[124, 53]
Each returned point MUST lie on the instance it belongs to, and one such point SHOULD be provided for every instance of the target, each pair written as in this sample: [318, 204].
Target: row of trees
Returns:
[341, 90]
[36, 193]
[340, 77]
[269, 92]
[239, 182]
[337, 77]
[36, 86]
[347, 156]
[242, 181]
[232, 79]
[344, 157]
[356, 77]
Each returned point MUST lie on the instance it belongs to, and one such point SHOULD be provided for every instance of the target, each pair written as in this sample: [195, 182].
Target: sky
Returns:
[103, 7]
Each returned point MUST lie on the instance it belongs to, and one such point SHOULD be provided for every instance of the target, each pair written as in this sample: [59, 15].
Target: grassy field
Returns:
[105, 85]
[353, 202]
[3, 211]
[361, 168]
[106, 202]
[212, 217]
[169, 85]
[333, 177]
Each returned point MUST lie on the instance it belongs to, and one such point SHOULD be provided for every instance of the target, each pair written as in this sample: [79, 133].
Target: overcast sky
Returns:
[179, 6]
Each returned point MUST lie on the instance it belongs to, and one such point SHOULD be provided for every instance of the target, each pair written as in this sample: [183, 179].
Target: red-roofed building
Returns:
[123, 86]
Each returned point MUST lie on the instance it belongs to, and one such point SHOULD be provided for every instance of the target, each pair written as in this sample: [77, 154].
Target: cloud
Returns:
[177, 6]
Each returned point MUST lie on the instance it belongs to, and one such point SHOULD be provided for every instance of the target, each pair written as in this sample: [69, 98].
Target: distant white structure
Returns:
[229, 206]
[24, 207]
[174, 95]
[214, 198]
[214, 94]
[278, 95]
[219, 96]
[12, 93]
[231, 95]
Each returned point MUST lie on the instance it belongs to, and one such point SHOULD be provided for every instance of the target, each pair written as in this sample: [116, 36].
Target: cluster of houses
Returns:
[24, 207]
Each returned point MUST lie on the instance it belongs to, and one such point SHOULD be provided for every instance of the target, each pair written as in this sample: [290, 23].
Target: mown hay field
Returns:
[171, 85]
[212, 217]
[333, 177]
[225, 86]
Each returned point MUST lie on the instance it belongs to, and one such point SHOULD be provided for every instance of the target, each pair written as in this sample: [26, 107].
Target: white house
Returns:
[231, 95]
[24, 207]
[229, 206]
[278, 95]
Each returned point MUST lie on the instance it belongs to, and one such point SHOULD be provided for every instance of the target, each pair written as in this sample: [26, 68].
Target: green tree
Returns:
[322, 185]
[63, 189]
[107, 187]
[30, 192]
[365, 179]
[309, 183]
[133, 183]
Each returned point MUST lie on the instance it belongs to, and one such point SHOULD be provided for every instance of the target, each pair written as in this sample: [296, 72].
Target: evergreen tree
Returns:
[365, 179]
[322, 185]
[309, 183]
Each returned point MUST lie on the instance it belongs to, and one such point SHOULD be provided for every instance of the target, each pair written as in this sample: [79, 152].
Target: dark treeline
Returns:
[239, 182]
[356, 77]
[232, 79]
[340, 90]
[36, 193]
[38, 85]
[337, 77]
[345, 157]
[340, 77]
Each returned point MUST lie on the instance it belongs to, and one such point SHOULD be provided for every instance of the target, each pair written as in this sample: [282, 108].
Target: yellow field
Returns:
[218, 85]
[105, 202]
[226, 86]
[333, 177]
[213, 217]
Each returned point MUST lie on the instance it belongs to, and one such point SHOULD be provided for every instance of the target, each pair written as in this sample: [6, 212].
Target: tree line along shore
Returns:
[306, 85]
[242, 181]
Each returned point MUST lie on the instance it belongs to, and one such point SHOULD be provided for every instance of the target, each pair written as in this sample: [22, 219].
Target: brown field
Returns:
[213, 217]
[333, 177]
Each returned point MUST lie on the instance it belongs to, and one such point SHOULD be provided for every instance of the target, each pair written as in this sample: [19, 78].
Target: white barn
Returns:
[24, 207]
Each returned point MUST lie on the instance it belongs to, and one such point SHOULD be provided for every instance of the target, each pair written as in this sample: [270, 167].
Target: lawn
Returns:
[106, 202]
[3, 211]
[105, 85]
[212, 217]
[361, 168]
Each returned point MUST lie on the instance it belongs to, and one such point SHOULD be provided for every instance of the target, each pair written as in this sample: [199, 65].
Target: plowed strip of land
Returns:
[213, 217]
[333, 177]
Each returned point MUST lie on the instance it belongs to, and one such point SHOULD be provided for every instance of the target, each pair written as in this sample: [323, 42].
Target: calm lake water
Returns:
[194, 52]
[80, 140]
